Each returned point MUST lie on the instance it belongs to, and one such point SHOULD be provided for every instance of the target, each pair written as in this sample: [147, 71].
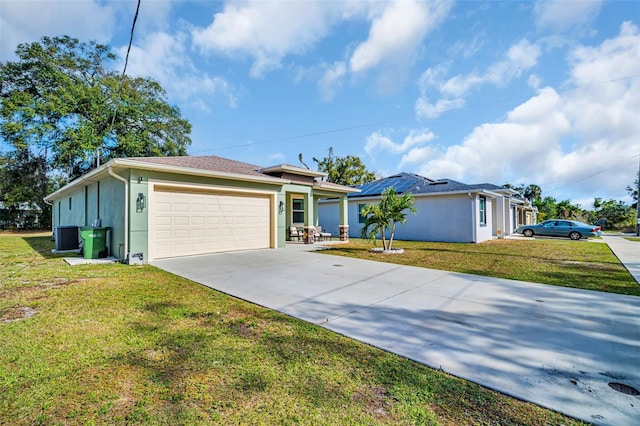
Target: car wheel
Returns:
[527, 233]
[575, 235]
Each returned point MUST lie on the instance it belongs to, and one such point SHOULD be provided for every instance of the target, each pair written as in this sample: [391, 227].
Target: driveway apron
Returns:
[570, 350]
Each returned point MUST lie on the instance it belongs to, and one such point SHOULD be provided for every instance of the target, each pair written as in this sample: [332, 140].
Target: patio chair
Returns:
[322, 236]
[294, 233]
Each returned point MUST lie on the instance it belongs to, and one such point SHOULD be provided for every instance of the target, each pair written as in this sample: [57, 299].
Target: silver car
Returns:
[561, 228]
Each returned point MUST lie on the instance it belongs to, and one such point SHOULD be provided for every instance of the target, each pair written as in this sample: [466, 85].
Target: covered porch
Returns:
[297, 205]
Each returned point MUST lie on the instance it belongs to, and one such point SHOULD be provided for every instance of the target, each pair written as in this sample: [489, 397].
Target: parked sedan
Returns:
[560, 228]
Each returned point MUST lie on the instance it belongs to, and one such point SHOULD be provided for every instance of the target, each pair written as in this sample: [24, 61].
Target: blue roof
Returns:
[416, 184]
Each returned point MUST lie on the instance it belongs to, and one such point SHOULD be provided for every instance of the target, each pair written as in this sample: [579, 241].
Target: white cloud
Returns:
[331, 79]
[581, 141]
[378, 142]
[267, 31]
[561, 15]
[520, 58]
[164, 58]
[29, 21]
[523, 142]
[397, 32]
[417, 155]
[428, 110]
[534, 81]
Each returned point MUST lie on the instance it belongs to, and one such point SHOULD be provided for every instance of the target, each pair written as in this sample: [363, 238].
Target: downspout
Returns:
[126, 211]
[473, 218]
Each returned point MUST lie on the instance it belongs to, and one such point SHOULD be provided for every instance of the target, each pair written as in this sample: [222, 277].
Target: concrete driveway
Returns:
[565, 349]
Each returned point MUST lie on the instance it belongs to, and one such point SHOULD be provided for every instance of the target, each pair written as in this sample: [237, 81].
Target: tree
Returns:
[390, 211]
[568, 210]
[22, 187]
[58, 103]
[633, 192]
[519, 189]
[347, 170]
[532, 193]
[547, 208]
[614, 214]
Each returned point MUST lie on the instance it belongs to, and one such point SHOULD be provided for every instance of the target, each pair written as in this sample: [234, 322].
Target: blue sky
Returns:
[519, 92]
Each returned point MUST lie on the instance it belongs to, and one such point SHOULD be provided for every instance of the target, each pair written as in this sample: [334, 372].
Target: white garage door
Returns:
[196, 222]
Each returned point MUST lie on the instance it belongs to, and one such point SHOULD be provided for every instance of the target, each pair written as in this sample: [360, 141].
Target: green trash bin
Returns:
[95, 242]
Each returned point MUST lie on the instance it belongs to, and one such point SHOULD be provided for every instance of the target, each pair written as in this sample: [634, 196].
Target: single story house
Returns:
[159, 207]
[447, 210]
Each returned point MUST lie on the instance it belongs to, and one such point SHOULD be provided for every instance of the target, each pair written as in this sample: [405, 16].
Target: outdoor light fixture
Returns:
[140, 202]
[139, 179]
[281, 207]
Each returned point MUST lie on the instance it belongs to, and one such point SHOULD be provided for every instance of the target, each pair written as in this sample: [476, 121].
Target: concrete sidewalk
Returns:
[561, 348]
[628, 252]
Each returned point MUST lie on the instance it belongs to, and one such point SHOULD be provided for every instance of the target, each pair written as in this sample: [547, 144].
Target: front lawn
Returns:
[116, 344]
[579, 264]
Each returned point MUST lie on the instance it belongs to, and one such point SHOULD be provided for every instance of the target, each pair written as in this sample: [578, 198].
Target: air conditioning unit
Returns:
[67, 238]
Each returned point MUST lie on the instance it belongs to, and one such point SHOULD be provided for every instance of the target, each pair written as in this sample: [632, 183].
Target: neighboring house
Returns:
[160, 207]
[21, 216]
[447, 210]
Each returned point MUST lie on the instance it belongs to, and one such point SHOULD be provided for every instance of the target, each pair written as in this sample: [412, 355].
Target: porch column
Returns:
[344, 219]
[310, 208]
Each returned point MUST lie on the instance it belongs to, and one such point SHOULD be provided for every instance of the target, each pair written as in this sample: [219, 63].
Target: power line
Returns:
[590, 175]
[306, 135]
[124, 70]
[389, 121]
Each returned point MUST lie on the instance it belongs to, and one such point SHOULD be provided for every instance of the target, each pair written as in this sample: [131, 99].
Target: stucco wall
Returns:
[112, 213]
[439, 218]
[84, 209]
[92, 203]
[484, 232]
[329, 217]
[70, 213]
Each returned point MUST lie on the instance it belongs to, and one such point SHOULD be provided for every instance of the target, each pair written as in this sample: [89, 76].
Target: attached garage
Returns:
[159, 207]
[188, 221]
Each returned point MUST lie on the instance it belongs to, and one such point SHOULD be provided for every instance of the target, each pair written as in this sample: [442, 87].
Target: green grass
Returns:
[578, 264]
[116, 344]
[634, 239]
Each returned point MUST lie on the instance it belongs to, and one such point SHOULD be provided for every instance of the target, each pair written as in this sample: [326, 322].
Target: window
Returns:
[69, 203]
[297, 210]
[361, 218]
[483, 210]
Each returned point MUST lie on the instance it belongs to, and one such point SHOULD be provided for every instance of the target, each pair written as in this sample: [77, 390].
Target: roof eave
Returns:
[292, 169]
[143, 165]
[123, 163]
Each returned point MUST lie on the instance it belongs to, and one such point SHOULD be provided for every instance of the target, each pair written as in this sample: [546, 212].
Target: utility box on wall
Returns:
[67, 238]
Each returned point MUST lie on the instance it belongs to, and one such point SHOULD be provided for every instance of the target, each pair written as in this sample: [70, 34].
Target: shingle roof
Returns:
[489, 186]
[416, 184]
[206, 162]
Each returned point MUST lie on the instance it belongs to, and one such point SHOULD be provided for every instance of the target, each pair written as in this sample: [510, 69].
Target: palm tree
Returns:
[390, 211]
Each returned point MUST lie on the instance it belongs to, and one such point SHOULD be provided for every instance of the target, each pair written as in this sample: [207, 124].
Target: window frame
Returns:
[361, 218]
[297, 211]
[482, 207]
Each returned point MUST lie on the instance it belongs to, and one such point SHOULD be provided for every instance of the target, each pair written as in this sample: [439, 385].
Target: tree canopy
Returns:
[57, 113]
[347, 170]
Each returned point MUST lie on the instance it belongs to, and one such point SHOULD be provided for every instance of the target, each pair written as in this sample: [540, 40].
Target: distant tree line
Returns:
[610, 214]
